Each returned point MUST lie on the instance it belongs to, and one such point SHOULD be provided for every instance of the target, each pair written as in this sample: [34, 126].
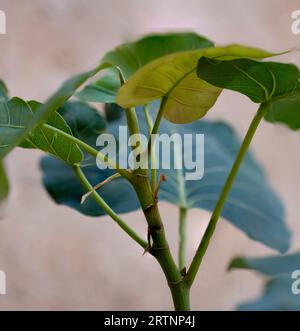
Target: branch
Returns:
[153, 156]
[189, 279]
[107, 209]
[157, 123]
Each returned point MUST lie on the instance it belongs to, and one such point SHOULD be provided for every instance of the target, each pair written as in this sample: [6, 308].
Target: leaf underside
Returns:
[277, 294]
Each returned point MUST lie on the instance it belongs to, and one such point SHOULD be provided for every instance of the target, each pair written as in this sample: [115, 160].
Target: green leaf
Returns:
[174, 77]
[11, 136]
[15, 114]
[271, 266]
[275, 83]
[4, 184]
[252, 206]
[47, 140]
[260, 81]
[130, 57]
[277, 293]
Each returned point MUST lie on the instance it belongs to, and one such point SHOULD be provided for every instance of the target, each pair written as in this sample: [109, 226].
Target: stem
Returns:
[89, 149]
[182, 235]
[107, 209]
[153, 156]
[133, 127]
[223, 196]
[132, 121]
[157, 123]
[160, 248]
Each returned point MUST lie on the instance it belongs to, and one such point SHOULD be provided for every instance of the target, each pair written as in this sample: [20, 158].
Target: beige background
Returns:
[54, 257]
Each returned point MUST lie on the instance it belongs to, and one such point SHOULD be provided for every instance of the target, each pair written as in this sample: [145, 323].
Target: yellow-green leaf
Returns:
[188, 98]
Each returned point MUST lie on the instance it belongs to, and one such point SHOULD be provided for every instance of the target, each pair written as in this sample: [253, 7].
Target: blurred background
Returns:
[55, 258]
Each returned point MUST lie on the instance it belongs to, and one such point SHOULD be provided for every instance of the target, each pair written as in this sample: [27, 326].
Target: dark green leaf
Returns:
[260, 81]
[275, 83]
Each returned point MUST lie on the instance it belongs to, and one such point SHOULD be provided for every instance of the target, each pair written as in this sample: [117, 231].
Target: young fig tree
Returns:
[155, 145]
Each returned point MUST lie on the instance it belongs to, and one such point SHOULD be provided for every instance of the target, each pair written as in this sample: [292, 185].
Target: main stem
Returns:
[159, 247]
[224, 194]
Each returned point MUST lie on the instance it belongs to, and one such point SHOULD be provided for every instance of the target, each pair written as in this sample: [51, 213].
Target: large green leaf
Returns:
[130, 57]
[11, 136]
[252, 205]
[44, 138]
[260, 81]
[174, 77]
[278, 294]
[275, 83]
